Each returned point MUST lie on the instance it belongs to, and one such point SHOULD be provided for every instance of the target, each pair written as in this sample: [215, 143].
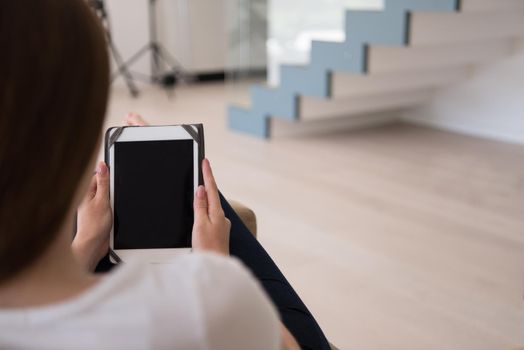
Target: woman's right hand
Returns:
[211, 228]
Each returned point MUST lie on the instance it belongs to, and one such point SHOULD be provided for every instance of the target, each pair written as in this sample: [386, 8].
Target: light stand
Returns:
[121, 67]
[160, 57]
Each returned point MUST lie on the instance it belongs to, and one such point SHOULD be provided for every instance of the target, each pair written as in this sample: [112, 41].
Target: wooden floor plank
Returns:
[396, 237]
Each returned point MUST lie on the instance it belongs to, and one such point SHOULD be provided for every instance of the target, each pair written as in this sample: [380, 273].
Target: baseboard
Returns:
[209, 76]
[281, 128]
[464, 129]
[223, 75]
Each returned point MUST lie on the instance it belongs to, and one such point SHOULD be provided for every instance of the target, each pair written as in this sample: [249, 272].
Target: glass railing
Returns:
[247, 31]
[263, 34]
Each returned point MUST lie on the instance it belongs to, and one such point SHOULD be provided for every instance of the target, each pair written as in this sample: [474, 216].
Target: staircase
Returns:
[390, 60]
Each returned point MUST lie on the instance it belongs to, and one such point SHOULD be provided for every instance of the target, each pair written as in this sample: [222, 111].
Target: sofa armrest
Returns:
[247, 216]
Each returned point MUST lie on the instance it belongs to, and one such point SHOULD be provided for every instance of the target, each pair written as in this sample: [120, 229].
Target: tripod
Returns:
[122, 68]
[160, 57]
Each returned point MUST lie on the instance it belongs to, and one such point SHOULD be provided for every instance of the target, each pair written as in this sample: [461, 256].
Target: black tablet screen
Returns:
[153, 194]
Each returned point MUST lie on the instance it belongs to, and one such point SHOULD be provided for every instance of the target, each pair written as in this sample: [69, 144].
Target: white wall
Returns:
[197, 31]
[490, 104]
[129, 28]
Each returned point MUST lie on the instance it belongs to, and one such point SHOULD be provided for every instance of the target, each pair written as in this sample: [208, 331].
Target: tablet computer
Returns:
[154, 173]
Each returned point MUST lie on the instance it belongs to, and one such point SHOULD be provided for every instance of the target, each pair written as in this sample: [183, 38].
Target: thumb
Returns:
[91, 190]
[102, 181]
[200, 203]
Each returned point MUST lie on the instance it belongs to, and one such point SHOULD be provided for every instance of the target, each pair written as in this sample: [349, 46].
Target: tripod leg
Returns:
[168, 58]
[159, 56]
[171, 62]
[155, 50]
[156, 63]
[122, 68]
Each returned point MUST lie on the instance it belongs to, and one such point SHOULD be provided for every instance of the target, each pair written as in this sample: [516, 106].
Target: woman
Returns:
[53, 95]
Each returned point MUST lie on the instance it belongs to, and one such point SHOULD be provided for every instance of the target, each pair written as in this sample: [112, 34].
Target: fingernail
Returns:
[102, 168]
[201, 192]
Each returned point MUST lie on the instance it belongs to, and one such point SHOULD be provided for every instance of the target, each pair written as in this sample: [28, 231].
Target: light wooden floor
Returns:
[397, 237]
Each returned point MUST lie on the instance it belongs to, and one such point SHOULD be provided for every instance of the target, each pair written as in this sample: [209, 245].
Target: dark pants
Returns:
[293, 312]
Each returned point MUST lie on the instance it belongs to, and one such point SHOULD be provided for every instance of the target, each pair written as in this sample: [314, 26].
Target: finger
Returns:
[200, 204]
[134, 119]
[102, 181]
[211, 188]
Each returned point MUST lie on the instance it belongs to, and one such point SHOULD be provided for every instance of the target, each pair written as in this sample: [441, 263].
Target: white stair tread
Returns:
[489, 5]
[353, 85]
[313, 108]
[437, 28]
[390, 59]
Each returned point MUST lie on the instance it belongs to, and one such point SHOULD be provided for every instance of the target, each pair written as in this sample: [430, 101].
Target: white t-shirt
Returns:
[201, 301]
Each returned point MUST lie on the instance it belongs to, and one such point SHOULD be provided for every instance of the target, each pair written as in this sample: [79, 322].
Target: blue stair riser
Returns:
[362, 28]
[310, 81]
[248, 121]
[274, 102]
[339, 56]
[423, 5]
[387, 27]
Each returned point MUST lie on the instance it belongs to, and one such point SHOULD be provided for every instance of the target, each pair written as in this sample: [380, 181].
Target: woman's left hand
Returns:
[94, 221]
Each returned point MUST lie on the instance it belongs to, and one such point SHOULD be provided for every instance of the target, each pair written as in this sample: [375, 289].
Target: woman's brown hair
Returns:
[53, 94]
